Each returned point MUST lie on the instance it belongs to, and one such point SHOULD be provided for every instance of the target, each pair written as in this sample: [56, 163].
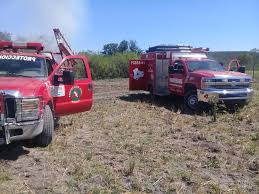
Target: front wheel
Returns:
[191, 102]
[45, 138]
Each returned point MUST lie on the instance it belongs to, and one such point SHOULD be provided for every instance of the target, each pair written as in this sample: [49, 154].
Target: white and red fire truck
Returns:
[188, 72]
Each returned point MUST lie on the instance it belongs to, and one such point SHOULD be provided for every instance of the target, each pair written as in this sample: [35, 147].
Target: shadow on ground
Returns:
[176, 104]
[171, 103]
[12, 151]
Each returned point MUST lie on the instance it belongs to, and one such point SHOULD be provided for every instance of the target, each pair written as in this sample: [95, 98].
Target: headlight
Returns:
[248, 81]
[206, 82]
[29, 109]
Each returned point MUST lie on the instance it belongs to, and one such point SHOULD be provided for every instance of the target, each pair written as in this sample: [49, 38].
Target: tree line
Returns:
[122, 47]
[113, 60]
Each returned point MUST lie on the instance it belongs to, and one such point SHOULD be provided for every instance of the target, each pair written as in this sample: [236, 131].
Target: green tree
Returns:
[245, 59]
[133, 46]
[110, 49]
[123, 46]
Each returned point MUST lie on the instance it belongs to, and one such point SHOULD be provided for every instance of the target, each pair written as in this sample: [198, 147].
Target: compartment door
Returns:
[138, 75]
[162, 64]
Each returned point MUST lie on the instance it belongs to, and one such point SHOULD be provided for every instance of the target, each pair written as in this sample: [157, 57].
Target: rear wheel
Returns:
[45, 138]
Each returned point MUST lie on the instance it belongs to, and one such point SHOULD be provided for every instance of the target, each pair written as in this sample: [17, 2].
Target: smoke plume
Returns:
[31, 20]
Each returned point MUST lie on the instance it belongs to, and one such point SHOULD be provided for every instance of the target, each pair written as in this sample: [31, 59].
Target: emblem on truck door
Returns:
[137, 74]
[75, 94]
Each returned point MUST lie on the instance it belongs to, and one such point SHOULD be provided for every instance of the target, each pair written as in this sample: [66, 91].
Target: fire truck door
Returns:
[72, 96]
[176, 78]
[162, 77]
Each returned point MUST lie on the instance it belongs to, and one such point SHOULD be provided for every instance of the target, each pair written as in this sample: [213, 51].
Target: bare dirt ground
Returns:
[129, 143]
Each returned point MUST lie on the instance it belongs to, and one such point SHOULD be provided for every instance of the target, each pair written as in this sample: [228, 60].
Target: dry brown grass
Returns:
[129, 145]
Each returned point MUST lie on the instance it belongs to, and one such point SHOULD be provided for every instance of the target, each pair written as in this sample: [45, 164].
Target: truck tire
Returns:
[45, 138]
[191, 104]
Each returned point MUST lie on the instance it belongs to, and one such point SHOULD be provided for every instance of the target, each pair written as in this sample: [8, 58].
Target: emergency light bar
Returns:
[200, 49]
[15, 46]
[6, 44]
[177, 48]
[169, 48]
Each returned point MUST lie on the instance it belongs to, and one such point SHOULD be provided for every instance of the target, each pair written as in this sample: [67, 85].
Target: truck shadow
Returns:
[12, 151]
[172, 103]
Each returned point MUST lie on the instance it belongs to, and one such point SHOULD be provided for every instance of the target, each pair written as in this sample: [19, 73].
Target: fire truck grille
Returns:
[230, 86]
[10, 107]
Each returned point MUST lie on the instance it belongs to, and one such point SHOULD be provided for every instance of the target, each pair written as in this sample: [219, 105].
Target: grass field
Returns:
[256, 75]
[130, 144]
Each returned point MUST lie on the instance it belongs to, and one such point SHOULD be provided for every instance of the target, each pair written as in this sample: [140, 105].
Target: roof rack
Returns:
[170, 48]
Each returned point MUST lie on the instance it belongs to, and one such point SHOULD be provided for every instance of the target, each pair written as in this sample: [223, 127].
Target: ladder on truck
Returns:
[64, 48]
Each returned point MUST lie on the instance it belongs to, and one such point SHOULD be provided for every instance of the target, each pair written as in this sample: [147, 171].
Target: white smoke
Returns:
[35, 19]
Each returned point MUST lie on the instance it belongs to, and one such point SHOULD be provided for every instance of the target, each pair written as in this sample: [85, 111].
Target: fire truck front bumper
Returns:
[10, 132]
[226, 96]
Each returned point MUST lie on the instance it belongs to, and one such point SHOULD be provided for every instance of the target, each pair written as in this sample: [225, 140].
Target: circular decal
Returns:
[75, 94]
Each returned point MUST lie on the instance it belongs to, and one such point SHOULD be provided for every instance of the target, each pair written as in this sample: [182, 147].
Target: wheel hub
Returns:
[193, 101]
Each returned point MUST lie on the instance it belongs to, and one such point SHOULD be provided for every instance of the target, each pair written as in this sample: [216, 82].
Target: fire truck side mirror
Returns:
[56, 79]
[180, 71]
[242, 69]
[67, 78]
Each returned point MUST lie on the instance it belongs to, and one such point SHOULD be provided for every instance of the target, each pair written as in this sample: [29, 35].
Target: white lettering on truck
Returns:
[137, 62]
[17, 57]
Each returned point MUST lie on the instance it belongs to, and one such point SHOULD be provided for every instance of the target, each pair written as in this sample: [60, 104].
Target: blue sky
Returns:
[220, 25]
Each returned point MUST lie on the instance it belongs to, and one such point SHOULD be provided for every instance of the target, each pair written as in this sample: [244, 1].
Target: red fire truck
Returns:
[188, 72]
[35, 89]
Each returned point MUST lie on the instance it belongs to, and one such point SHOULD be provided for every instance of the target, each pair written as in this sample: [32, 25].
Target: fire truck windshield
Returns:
[204, 65]
[22, 66]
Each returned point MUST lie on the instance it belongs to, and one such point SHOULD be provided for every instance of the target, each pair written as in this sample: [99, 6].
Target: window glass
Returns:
[204, 65]
[22, 66]
[49, 66]
[75, 65]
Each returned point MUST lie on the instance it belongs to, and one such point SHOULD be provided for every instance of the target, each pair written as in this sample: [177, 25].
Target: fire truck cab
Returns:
[187, 72]
[35, 89]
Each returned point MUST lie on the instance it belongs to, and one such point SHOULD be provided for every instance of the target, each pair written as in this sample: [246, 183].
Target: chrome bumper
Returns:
[216, 95]
[26, 130]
